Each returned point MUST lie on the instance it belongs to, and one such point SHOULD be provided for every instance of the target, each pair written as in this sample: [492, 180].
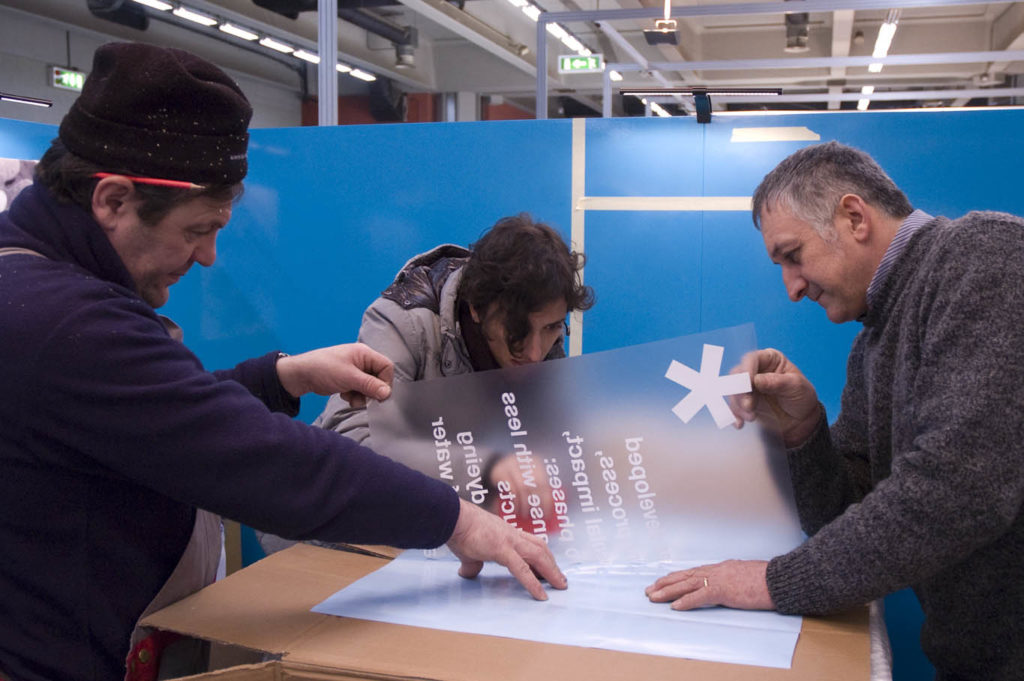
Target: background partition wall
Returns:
[661, 207]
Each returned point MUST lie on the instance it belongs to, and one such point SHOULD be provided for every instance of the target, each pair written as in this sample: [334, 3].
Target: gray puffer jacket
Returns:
[415, 323]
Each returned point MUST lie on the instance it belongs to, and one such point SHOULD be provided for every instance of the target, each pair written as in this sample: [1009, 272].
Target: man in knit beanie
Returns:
[117, 447]
[920, 480]
[164, 113]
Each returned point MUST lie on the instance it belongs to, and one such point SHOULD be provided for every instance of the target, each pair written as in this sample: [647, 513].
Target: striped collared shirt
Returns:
[899, 242]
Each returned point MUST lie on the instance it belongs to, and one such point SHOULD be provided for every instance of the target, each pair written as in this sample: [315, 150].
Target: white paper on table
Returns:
[604, 607]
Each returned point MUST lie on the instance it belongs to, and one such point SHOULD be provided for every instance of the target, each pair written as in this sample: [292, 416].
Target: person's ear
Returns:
[473, 314]
[112, 201]
[856, 217]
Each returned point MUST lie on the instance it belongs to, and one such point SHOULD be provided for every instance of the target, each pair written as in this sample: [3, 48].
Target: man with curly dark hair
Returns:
[500, 303]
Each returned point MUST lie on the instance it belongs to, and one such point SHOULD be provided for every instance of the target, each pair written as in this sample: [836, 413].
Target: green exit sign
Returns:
[574, 63]
[66, 79]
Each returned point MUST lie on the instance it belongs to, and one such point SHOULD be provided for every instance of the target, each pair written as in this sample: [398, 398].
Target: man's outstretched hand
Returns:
[481, 536]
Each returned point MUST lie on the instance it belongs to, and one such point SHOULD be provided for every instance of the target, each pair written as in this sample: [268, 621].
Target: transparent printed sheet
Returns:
[627, 464]
[604, 607]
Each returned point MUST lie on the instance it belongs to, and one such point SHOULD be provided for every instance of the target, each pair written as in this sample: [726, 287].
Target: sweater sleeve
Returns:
[142, 407]
[956, 480]
[395, 333]
[831, 470]
[259, 377]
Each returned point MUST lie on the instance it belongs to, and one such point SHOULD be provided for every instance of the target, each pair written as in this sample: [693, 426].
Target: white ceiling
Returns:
[489, 47]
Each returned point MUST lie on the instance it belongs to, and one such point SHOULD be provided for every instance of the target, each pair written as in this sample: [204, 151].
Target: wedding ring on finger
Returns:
[705, 582]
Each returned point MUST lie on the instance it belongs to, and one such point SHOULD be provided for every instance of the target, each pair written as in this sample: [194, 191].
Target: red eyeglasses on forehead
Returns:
[177, 184]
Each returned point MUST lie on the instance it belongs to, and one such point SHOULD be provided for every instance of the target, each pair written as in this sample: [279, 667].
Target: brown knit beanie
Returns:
[160, 112]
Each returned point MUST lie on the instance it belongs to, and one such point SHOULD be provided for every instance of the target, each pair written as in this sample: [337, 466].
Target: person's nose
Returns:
[533, 348]
[796, 285]
[206, 250]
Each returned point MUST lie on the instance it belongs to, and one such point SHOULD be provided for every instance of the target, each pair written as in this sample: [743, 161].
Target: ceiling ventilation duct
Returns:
[122, 12]
[356, 12]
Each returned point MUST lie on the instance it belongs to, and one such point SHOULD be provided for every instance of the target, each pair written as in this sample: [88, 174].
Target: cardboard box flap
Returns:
[266, 671]
[281, 671]
[364, 648]
[266, 606]
[378, 550]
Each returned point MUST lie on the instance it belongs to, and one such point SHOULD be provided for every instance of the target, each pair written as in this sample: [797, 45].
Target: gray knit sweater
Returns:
[920, 482]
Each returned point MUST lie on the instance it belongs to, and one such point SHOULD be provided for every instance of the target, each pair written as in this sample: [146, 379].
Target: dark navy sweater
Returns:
[112, 433]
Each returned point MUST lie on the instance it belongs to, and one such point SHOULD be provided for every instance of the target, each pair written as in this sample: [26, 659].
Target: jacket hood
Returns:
[419, 282]
[63, 233]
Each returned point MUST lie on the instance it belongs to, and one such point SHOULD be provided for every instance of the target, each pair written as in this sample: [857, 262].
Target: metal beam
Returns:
[541, 108]
[878, 96]
[746, 8]
[749, 8]
[842, 29]
[829, 62]
[326, 74]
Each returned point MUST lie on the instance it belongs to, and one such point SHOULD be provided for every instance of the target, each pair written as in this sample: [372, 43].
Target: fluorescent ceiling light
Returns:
[884, 40]
[196, 17]
[363, 75]
[863, 103]
[585, 51]
[156, 4]
[307, 56]
[557, 31]
[275, 45]
[614, 75]
[238, 32]
[721, 91]
[656, 108]
[342, 68]
[20, 99]
[572, 43]
[532, 11]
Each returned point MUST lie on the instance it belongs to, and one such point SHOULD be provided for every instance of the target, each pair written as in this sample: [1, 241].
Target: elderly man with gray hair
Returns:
[920, 480]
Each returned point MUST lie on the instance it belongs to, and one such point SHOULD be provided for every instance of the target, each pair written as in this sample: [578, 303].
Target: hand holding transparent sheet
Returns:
[354, 370]
[782, 400]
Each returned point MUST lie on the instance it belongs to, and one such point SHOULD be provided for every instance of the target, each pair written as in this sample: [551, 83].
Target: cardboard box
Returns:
[266, 607]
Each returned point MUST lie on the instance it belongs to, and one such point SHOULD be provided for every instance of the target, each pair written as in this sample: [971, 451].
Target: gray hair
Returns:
[811, 181]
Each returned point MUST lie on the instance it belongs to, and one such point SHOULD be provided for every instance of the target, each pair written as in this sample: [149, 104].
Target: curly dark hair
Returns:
[70, 179]
[519, 266]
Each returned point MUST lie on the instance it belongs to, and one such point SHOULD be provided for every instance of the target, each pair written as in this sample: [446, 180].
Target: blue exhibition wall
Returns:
[330, 214]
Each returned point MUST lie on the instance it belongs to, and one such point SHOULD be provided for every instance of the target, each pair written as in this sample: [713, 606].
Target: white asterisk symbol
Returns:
[707, 388]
